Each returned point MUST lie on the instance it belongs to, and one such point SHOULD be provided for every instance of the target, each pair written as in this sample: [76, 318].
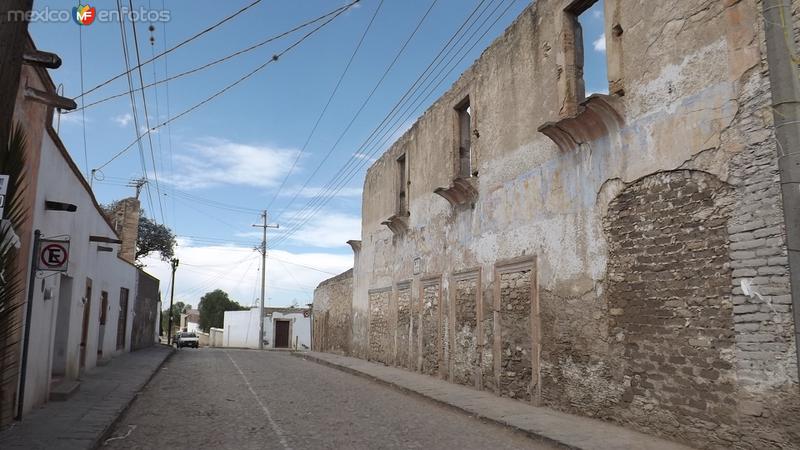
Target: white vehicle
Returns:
[187, 339]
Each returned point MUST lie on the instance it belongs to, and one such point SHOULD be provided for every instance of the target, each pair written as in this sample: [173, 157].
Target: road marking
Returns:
[264, 408]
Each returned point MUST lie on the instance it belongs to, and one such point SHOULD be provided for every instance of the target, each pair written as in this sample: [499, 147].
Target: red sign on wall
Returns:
[53, 255]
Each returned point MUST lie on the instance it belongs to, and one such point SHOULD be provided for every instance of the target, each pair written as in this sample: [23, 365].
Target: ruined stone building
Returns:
[616, 256]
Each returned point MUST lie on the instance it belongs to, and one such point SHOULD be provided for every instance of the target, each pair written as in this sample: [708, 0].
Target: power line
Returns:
[146, 113]
[303, 212]
[360, 109]
[327, 104]
[388, 134]
[216, 61]
[321, 200]
[274, 58]
[126, 56]
[181, 44]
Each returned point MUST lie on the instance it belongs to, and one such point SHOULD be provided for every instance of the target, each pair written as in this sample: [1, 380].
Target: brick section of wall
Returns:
[766, 365]
[465, 349]
[381, 333]
[515, 335]
[125, 219]
[429, 329]
[669, 301]
[404, 352]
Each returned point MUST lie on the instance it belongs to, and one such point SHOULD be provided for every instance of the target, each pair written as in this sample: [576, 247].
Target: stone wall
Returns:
[381, 331]
[404, 337]
[659, 296]
[331, 314]
[515, 375]
[429, 328]
[465, 348]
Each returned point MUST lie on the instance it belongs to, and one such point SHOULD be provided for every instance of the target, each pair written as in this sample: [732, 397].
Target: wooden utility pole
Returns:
[174, 262]
[14, 16]
[263, 251]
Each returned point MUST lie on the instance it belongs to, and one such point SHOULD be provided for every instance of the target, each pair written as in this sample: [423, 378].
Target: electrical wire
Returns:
[216, 61]
[360, 109]
[146, 113]
[274, 58]
[126, 56]
[181, 44]
[322, 200]
[327, 104]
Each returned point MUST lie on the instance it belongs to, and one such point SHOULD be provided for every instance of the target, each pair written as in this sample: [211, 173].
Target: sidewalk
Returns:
[80, 422]
[542, 423]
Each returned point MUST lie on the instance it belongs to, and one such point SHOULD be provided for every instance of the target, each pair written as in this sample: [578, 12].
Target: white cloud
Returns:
[324, 230]
[215, 162]
[603, 91]
[599, 44]
[597, 13]
[123, 120]
[235, 270]
[74, 118]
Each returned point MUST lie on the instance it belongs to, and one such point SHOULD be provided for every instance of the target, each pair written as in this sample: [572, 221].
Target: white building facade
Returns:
[284, 328]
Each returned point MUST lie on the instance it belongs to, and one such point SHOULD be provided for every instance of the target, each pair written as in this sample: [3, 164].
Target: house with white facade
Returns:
[284, 328]
[81, 313]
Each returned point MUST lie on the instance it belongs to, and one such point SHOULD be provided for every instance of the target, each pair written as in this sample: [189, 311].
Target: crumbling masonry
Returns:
[620, 256]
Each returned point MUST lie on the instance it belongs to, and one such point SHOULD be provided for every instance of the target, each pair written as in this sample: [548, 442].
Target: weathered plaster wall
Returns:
[693, 125]
[333, 300]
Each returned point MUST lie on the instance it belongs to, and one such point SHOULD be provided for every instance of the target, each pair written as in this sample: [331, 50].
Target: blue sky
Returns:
[237, 149]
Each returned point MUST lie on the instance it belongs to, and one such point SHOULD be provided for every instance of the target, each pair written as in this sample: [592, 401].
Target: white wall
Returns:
[241, 329]
[300, 329]
[56, 181]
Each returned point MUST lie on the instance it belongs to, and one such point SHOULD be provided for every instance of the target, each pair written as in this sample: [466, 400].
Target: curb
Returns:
[98, 442]
[484, 418]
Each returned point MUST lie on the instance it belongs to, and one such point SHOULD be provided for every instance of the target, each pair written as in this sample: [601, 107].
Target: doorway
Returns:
[59, 364]
[122, 321]
[101, 334]
[87, 306]
[282, 333]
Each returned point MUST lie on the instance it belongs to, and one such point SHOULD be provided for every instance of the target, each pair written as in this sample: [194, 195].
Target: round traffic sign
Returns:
[54, 255]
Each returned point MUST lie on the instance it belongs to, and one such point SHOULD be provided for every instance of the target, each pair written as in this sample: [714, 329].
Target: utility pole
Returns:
[174, 262]
[263, 251]
[785, 87]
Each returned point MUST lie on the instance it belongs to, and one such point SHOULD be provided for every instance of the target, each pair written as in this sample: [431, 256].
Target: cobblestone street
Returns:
[213, 398]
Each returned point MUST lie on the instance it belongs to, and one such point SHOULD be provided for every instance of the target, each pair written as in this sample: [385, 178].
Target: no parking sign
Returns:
[53, 255]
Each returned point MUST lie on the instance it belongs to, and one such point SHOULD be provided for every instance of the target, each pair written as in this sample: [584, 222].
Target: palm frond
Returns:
[12, 282]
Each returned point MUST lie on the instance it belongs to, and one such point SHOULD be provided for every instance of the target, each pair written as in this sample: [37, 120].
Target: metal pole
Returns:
[174, 262]
[785, 87]
[263, 284]
[28, 311]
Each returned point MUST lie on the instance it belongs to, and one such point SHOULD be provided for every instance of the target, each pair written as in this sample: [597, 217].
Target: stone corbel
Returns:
[597, 116]
[398, 223]
[355, 245]
[462, 191]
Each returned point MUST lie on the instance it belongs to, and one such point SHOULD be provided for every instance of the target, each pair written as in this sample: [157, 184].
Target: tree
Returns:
[154, 237]
[178, 308]
[212, 309]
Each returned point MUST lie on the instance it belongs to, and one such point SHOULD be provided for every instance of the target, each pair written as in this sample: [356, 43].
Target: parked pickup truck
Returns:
[187, 339]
